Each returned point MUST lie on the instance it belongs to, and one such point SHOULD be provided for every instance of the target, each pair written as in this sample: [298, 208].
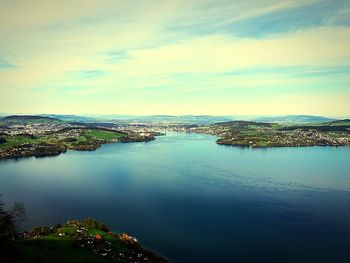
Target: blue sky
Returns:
[175, 57]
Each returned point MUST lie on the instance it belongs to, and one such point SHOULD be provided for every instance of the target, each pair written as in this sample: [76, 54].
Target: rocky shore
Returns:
[28, 150]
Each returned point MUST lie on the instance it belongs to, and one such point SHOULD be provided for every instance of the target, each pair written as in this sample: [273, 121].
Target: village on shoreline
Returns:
[38, 136]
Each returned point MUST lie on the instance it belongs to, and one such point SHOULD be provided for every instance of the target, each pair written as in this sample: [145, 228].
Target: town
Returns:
[25, 136]
[258, 134]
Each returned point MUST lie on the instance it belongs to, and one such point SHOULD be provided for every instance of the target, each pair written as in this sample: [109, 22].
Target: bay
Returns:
[192, 200]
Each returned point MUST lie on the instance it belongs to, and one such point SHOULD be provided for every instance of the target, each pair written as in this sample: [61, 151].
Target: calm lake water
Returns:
[192, 200]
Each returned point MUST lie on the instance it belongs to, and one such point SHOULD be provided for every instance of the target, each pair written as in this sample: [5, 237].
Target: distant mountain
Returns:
[183, 119]
[70, 118]
[240, 124]
[345, 122]
[167, 119]
[294, 119]
[28, 119]
[149, 119]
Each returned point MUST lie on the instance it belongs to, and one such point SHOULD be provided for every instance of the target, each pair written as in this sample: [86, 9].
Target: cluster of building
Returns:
[32, 128]
[95, 243]
[311, 137]
[261, 136]
[99, 245]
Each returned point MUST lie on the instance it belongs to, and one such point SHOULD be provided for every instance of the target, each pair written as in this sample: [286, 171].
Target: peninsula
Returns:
[25, 136]
[265, 134]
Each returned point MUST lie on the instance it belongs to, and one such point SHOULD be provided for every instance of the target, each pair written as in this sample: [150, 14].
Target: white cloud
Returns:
[45, 39]
[326, 46]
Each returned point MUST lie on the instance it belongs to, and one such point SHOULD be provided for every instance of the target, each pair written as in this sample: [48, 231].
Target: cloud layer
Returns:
[175, 57]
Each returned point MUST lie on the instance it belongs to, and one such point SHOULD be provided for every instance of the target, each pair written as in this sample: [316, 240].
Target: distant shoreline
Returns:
[27, 136]
[263, 135]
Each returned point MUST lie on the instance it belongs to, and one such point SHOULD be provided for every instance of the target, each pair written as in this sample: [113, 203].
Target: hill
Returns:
[28, 119]
[294, 119]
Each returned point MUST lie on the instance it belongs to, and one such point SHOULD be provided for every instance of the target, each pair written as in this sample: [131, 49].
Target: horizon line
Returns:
[174, 115]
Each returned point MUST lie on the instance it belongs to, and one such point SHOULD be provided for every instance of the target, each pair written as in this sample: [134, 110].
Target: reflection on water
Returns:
[195, 201]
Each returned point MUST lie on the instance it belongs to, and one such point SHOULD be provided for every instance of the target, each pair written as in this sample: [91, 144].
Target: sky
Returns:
[221, 57]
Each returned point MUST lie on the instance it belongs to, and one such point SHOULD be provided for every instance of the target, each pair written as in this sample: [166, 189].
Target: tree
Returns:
[9, 221]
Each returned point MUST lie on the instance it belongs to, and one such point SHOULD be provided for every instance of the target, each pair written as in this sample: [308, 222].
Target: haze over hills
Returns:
[294, 119]
[193, 119]
[183, 119]
[47, 135]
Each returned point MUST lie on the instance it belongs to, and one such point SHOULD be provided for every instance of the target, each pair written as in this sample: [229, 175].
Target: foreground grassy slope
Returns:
[53, 250]
[87, 241]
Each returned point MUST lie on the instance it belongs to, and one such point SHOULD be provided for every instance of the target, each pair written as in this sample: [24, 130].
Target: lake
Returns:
[192, 200]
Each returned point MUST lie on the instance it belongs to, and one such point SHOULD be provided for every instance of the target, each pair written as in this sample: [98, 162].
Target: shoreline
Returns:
[44, 149]
[57, 153]
[56, 150]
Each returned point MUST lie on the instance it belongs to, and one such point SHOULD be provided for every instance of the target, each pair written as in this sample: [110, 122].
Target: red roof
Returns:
[98, 236]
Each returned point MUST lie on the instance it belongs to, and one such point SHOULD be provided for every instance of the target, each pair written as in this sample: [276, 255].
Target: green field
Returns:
[54, 248]
[92, 136]
[17, 140]
[102, 134]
